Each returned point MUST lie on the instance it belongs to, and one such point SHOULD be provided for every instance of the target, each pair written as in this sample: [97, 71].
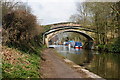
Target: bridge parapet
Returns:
[65, 24]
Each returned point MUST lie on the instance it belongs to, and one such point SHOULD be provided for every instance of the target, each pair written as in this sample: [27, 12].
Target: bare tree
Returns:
[11, 5]
[104, 17]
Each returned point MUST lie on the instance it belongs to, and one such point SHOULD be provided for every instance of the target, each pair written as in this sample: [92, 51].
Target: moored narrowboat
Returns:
[78, 45]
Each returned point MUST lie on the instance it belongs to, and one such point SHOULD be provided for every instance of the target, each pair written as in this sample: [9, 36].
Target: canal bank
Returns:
[54, 66]
[103, 64]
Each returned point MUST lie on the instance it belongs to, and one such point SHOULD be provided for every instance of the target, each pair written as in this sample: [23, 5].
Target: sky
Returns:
[55, 11]
[52, 11]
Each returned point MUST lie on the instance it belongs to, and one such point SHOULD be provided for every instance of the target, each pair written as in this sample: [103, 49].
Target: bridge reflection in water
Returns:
[106, 65]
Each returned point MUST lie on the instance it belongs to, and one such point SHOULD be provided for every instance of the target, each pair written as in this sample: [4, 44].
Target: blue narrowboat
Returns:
[78, 45]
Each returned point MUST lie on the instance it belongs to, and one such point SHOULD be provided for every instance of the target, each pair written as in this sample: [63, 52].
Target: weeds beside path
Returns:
[16, 64]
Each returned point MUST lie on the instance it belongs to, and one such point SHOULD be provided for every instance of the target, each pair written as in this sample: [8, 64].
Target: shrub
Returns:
[101, 47]
[19, 25]
[20, 30]
[116, 46]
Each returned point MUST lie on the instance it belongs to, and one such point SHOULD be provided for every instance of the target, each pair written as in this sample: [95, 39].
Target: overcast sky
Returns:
[53, 11]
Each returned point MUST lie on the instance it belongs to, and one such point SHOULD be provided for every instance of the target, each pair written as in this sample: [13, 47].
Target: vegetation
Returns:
[20, 32]
[104, 18]
[19, 65]
[114, 47]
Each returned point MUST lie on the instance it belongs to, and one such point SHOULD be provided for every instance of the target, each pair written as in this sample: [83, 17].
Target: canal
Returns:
[106, 65]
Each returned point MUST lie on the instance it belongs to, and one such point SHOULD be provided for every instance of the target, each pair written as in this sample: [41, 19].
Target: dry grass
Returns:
[19, 65]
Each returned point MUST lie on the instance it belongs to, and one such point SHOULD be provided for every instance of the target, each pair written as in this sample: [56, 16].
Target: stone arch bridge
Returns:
[69, 27]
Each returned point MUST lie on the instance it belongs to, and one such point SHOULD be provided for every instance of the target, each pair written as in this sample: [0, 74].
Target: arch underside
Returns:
[83, 34]
[72, 30]
[87, 45]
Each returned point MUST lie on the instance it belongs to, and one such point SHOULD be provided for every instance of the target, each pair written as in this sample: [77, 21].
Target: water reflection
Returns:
[104, 64]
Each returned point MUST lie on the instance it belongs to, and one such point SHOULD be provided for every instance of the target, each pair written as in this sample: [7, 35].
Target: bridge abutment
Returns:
[89, 45]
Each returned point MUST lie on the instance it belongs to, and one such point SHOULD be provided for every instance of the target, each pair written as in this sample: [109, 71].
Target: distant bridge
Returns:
[69, 27]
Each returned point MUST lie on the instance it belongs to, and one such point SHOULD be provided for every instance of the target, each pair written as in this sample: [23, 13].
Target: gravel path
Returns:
[54, 67]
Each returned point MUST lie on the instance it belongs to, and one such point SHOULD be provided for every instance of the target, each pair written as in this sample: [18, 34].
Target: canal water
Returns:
[106, 65]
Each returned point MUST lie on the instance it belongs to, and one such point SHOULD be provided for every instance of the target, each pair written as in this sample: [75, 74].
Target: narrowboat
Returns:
[78, 45]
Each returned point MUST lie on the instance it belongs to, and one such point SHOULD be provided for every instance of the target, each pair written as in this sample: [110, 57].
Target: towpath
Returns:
[54, 66]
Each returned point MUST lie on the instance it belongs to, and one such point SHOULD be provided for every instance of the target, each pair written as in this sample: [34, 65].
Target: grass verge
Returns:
[16, 64]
